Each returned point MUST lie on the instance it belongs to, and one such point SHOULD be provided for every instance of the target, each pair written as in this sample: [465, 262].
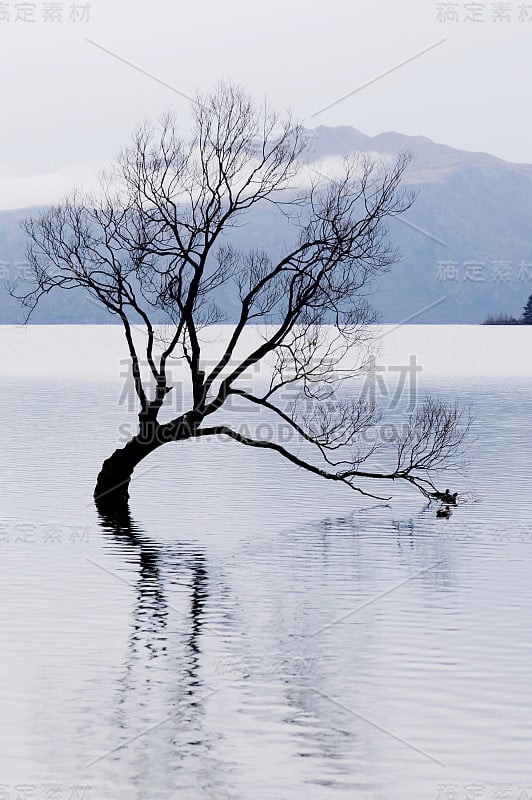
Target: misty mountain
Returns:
[466, 243]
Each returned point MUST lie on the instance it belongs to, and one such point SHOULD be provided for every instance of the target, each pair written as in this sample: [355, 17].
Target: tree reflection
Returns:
[159, 713]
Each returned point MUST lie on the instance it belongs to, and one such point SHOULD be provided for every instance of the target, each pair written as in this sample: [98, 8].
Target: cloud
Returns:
[22, 189]
[19, 190]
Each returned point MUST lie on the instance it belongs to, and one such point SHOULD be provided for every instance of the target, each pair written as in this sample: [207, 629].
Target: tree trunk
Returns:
[111, 493]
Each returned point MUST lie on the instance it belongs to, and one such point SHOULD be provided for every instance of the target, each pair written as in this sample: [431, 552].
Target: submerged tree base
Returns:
[111, 493]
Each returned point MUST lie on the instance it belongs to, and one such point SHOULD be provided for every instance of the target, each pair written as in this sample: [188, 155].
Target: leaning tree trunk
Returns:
[111, 493]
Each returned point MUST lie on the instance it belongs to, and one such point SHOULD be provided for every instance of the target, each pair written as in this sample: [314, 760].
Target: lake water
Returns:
[257, 632]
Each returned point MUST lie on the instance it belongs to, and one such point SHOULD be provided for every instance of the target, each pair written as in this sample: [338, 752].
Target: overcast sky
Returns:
[68, 106]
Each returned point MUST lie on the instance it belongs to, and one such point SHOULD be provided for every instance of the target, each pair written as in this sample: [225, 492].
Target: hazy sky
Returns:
[68, 106]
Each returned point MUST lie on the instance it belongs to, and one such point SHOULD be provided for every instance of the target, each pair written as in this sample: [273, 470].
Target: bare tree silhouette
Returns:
[156, 244]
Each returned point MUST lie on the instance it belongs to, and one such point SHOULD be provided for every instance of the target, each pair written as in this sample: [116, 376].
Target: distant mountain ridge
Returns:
[466, 243]
[428, 155]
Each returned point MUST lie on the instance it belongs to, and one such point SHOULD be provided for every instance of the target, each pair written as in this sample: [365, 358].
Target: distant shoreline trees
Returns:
[507, 319]
[526, 318]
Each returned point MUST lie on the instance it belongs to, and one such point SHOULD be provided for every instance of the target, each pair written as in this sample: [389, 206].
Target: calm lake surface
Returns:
[257, 632]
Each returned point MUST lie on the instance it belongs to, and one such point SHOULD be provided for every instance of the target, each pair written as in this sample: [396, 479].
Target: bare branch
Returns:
[154, 248]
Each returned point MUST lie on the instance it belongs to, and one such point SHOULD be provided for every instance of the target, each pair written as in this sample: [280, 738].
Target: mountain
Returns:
[466, 243]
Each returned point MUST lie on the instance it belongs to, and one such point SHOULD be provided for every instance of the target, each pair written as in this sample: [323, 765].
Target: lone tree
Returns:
[526, 317]
[155, 245]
